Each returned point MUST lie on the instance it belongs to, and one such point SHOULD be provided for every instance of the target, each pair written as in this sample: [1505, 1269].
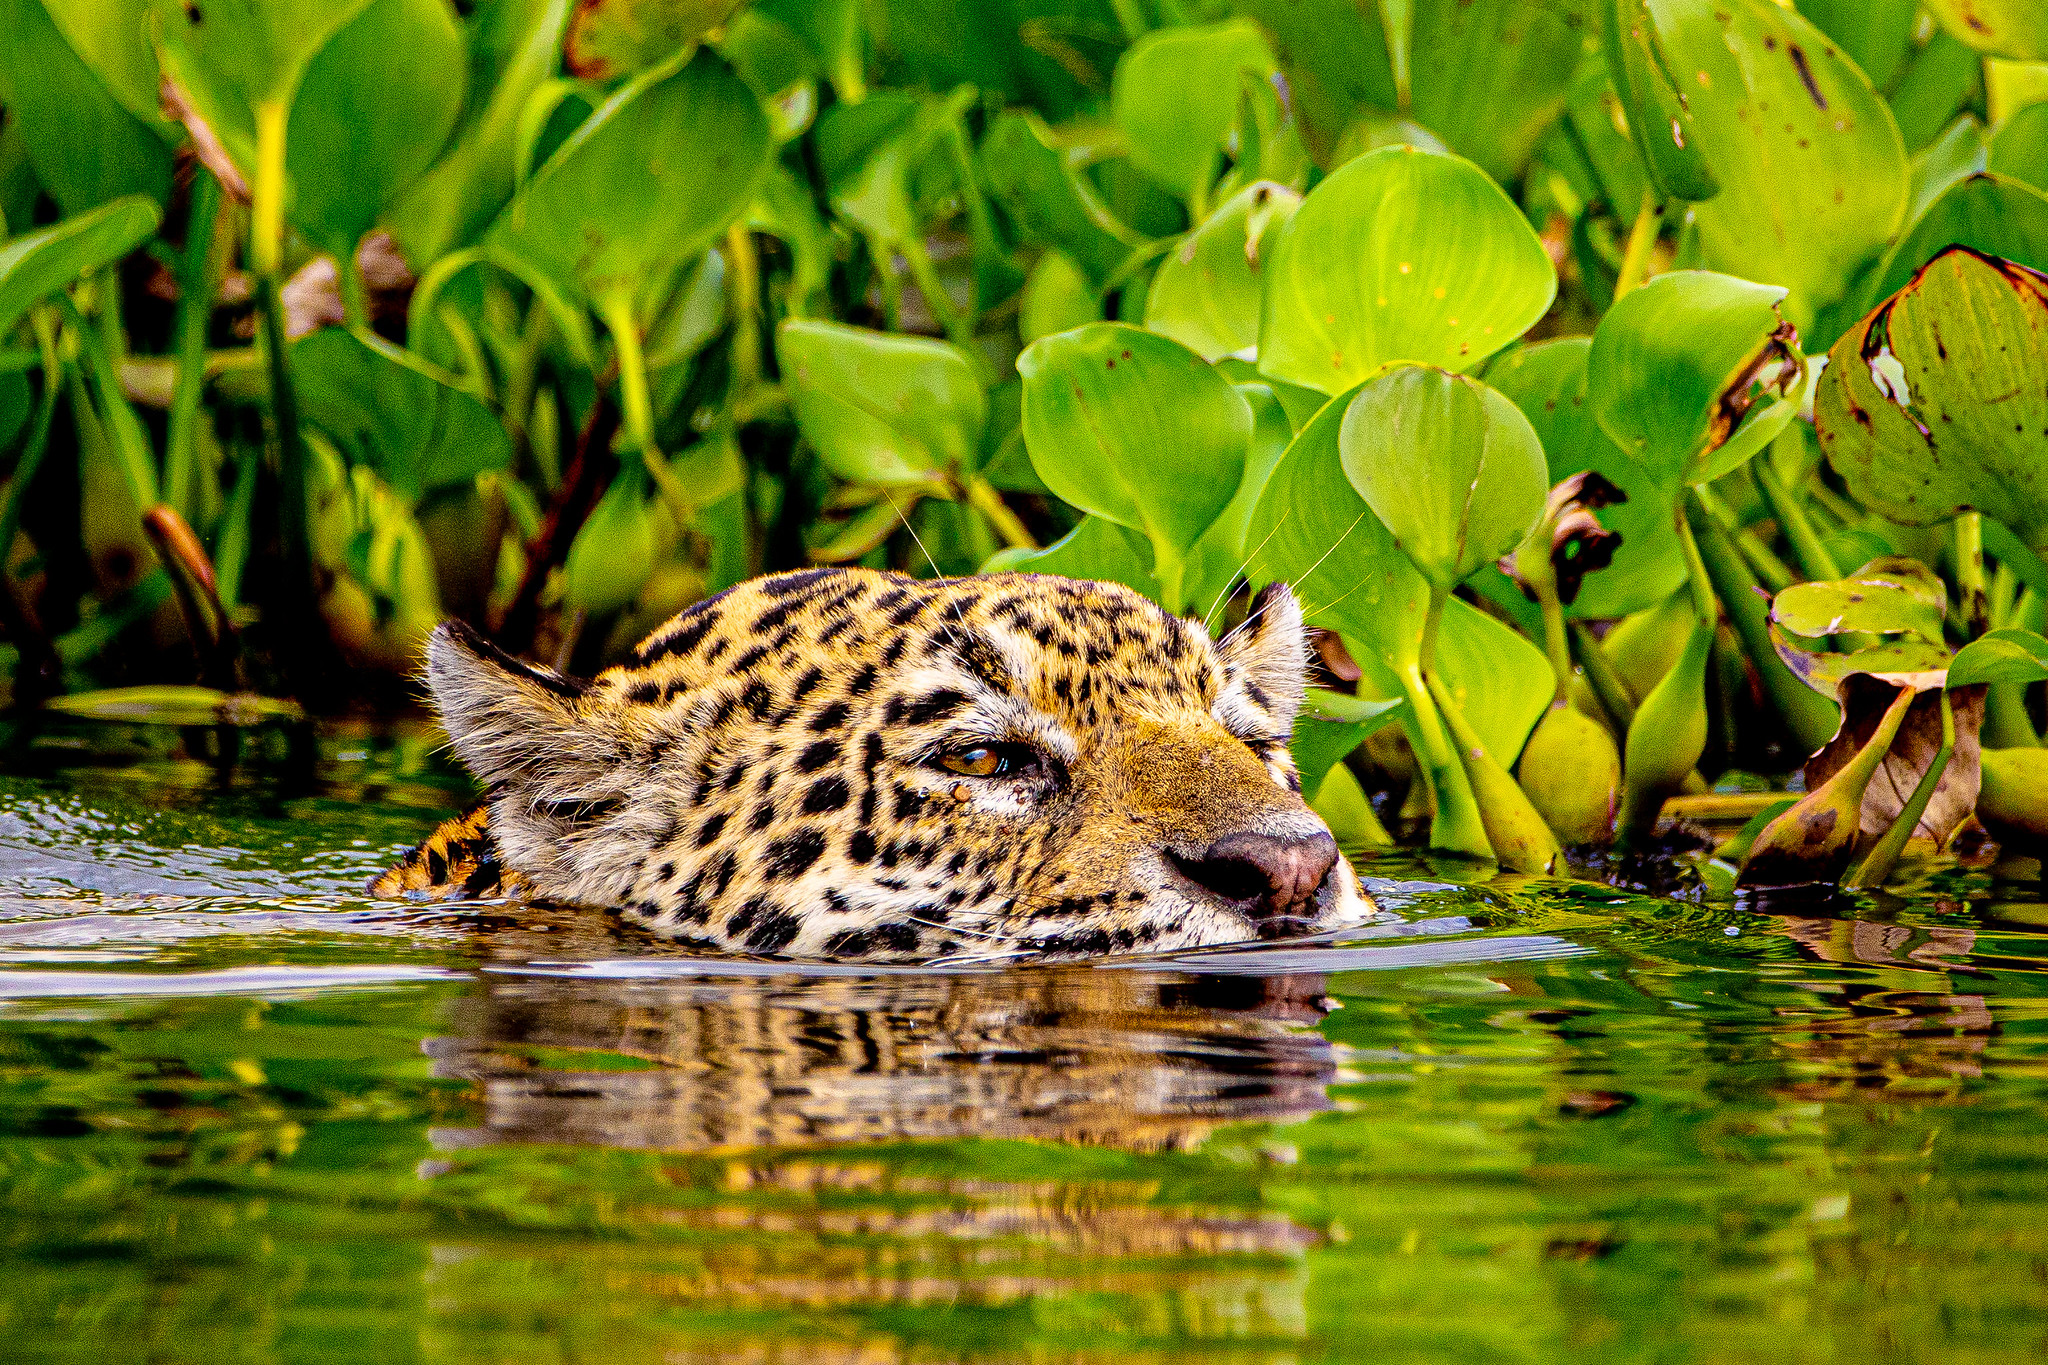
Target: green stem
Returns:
[1642, 237]
[31, 458]
[231, 547]
[1129, 18]
[1970, 580]
[1877, 865]
[959, 330]
[1703, 604]
[1791, 516]
[287, 450]
[983, 498]
[355, 295]
[266, 192]
[1457, 826]
[131, 442]
[636, 402]
[195, 312]
[1607, 684]
[1769, 569]
[744, 279]
[1811, 717]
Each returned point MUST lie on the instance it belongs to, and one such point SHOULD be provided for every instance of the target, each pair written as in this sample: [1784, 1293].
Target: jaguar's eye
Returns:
[987, 760]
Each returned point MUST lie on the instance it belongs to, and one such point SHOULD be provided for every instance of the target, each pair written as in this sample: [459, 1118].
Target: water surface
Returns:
[246, 1114]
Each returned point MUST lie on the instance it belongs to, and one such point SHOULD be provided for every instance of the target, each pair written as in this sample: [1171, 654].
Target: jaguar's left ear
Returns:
[1265, 660]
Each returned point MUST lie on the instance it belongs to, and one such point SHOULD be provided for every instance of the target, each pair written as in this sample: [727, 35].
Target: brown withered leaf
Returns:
[1578, 543]
[206, 144]
[1863, 701]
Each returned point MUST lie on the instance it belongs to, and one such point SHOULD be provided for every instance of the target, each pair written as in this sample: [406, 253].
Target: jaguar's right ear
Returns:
[514, 724]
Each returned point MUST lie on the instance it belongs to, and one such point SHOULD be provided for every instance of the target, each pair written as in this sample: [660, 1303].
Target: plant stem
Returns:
[1877, 864]
[1799, 530]
[1768, 568]
[590, 470]
[1970, 582]
[195, 312]
[31, 457]
[983, 498]
[266, 192]
[1607, 684]
[744, 277]
[637, 402]
[1642, 237]
[1703, 604]
[1457, 827]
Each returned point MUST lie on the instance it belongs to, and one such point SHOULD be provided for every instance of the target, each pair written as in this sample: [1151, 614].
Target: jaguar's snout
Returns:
[1266, 877]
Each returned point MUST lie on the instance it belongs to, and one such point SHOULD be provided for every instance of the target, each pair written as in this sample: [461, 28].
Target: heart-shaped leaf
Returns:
[1934, 403]
[650, 180]
[1400, 255]
[1176, 95]
[1206, 293]
[1694, 372]
[882, 409]
[36, 265]
[1450, 466]
[253, 50]
[1136, 428]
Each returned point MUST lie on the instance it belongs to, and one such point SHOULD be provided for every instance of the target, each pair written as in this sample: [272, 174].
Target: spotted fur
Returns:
[764, 773]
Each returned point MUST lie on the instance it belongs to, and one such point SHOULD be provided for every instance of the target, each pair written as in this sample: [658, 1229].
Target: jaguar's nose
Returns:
[1267, 876]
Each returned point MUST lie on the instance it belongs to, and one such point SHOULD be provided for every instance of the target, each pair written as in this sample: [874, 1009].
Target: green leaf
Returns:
[1547, 381]
[613, 554]
[253, 50]
[174, 705]
[1887, 596]
[1176, 96]
[86, 147]
[2003, 28]
[611, 39]
[1057, 298]
[1400, 255]
[2019, 149]
[38, 264]
[1810, 165]
[1501, 682]
[1640, 43]
[1221, 554]
[1990, 214]
[1449, 465]
[512, 47]
[2003, 656]
[372, 113]
[1034, 178]
[1334, 55]
[1096, 549]
[1877, 35]
[651, 179]
[1934, 402]
[1206, 292]
[390, 412]
[1331, 725]
[1489, 76]
[1138, 429]
[882, 409]
[1693, 373]
[112, 38]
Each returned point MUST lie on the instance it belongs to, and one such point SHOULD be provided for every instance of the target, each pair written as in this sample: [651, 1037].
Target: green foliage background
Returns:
[320, 323]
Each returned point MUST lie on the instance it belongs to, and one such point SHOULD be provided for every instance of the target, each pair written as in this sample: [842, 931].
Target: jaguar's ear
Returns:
[513, 724]
[1266, 658]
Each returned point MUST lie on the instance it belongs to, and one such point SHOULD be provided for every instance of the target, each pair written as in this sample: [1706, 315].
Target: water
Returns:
[247, 1115]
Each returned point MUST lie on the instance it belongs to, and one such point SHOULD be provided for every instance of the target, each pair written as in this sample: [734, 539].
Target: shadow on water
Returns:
[245, 1115]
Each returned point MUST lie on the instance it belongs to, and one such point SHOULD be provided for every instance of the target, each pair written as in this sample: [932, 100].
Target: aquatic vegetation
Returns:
[1657, 382]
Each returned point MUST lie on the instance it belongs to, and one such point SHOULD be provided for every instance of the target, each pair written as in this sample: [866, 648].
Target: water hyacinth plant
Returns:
[1640, 398]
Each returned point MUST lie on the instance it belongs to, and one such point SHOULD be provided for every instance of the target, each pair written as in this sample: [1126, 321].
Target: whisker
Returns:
[936, 572]
[1224, 596]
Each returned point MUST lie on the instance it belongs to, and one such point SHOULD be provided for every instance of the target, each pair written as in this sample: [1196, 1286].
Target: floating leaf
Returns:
[2002, 656]
[882, 409]
[1136, 428]
[1887, 596]
[390, 412]
[611, 39]
[1176, 96]
[174, 705]
[1450, 466]
[1206, 293]
[1694, 372]
[371, 114]
[36, 265]
[650, 180]
[1400, 255]
[1934, 403]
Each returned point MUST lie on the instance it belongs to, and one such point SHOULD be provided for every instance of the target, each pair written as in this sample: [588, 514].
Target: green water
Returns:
[246, 1115]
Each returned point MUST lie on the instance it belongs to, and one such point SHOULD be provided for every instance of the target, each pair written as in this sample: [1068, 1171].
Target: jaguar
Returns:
[850, 764]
